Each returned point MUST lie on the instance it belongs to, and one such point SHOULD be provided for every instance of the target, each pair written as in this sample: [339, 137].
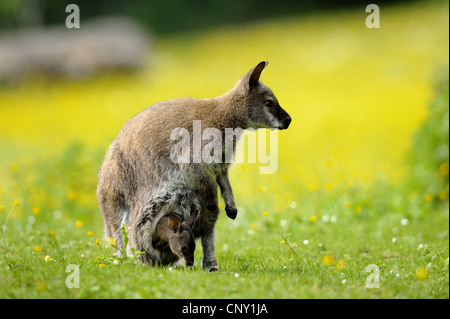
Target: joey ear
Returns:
[174, 223]
[256, 73]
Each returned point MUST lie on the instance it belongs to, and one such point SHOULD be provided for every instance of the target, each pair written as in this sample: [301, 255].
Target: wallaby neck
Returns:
[229, 110]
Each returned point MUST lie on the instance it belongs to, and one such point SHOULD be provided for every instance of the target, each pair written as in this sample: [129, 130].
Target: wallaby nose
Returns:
[189, 262]
[287, 121]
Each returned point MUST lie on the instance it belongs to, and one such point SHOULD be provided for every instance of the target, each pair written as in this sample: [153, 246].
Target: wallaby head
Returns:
[263, 109]
[181, 238]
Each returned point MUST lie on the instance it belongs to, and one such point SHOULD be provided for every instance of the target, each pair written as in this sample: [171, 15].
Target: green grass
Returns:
[358, 201]
[254, 263]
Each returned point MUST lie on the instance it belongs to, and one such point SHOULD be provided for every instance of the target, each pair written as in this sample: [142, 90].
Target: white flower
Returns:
[292, 204]
[325, 218]
[236, 275]
[394, 240]
[404, 221]
[306, 242]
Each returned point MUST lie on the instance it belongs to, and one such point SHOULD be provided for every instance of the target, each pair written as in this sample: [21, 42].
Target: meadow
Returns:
[344, 216]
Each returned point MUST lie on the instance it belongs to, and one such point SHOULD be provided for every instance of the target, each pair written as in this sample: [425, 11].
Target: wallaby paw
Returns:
[213, 268]
[231, 212]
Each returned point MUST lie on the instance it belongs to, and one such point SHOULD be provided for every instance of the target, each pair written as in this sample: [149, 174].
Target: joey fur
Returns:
[138, 183]
[174, 239]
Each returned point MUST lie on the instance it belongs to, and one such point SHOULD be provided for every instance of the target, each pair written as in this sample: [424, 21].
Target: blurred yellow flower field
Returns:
[356, 95]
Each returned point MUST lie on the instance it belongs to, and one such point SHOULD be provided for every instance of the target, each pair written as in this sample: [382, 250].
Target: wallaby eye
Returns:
[269, 103]
[183, 247]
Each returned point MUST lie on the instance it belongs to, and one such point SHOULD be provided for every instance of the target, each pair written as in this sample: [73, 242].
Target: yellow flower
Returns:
[262, 189]
[313, 188]
[16, 203]
[111, 241]
[428, 198]
[312, 219]
[443, 194]
[348, 204]
[340, 264]
[52, 232]
[101, 265]
[277, 195]
[282, 242]
[41, 285]
[358, 208]
[97, 241]
[253, 226]
[90, 233]
[329, 163]
[71, 194]
[329, 186]
[266, 214]
[443, 169]
[78, 224]
[350, 184]
[35, 210]
[421, 273]
[2, 207]
[37, 248]
[14, 166]
[327, 260]
[220, 205]
[48, 258]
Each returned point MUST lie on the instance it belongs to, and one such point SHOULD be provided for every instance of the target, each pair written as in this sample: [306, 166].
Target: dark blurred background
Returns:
[164, 16]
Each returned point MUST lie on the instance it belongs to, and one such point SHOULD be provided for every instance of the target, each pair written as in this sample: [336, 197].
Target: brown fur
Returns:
[138, 183]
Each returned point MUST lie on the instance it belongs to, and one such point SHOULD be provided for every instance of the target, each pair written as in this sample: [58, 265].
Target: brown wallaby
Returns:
[144, 176]
[174, 239]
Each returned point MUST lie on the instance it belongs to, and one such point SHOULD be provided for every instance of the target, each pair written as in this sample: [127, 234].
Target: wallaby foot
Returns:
[231, 211]
[213, 268]
[210, 265]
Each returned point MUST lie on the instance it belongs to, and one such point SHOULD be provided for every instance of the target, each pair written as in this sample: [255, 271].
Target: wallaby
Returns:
[174, 239]
[139, 181]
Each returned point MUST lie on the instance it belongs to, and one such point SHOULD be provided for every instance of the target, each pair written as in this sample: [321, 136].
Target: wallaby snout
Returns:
[284, 118]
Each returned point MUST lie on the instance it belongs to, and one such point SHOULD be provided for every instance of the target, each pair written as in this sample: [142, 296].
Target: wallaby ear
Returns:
[174, 223]
[190, 221]
[256, 73]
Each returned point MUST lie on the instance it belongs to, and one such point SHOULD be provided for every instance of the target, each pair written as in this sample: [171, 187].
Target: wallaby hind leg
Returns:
[209, 261]
[114, 215]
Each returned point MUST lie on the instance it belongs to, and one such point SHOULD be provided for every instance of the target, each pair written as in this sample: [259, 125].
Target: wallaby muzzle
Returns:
[284, 119]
